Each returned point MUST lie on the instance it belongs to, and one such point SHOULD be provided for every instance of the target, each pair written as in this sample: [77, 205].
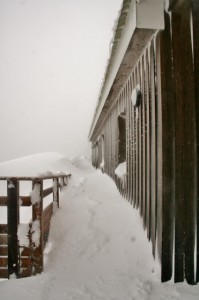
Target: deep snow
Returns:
[97, 248]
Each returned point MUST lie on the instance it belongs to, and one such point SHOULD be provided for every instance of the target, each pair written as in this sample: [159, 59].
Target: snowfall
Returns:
[97, 248]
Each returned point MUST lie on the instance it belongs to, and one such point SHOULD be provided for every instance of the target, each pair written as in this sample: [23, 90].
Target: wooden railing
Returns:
[19, 258]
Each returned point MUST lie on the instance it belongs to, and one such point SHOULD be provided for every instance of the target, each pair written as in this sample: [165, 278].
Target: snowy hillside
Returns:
[97, 248]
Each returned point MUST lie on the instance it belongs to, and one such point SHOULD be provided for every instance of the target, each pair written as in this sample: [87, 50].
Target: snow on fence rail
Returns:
[22, 245]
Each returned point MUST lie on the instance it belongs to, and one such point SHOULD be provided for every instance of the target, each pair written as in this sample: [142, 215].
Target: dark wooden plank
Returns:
[148, 150]
[48, 191]
[133, 147]
[144, 136]
[140, 142]
[4, 273]
[159, 150]
[127, 142]
[3, 250]
[25, 272]
[25, 201]
[25, 262]
[3, 228]
[195, 16]
[190, 146]
[130, 141]
[186, 151]
[25, 251]
[3, 239]
[153, 148]
[13, 221]
[47, 212]
[179, 150]
[167, 163]
[137, 144]
[3, 200]
[3, 262]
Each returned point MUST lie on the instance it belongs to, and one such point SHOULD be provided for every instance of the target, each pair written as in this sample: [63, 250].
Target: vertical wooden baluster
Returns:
[13, 221]
[37, 226]
[56, 191]
[195, 17]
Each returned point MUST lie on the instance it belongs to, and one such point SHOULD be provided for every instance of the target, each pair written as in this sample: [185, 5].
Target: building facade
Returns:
[145, 130]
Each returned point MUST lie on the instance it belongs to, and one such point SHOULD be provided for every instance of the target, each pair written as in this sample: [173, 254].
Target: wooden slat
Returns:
[13, 221]
[3, 228]
[195, 17]
[48, 210]
[25, 201]
[167, 162]
[131, 139]
[3, 239]
[25, 272]
[127, 142]
[3, 200]
[144, 136]
[46, 227]
[47, 192]
[3, 262]
[148, 151]
[190, 150]
[134, 145]
[137, 144]
[153, 148]
[26, 251]
[3, 273]
[179, 148]
[185, 149]
[3, 251]
[140, 144]
[25, 262]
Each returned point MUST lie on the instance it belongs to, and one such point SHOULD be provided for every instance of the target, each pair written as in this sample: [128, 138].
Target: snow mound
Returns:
[97, 248]
[36, 165]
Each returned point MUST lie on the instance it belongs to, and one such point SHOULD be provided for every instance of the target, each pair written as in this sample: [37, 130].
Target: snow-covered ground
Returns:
[97, 248]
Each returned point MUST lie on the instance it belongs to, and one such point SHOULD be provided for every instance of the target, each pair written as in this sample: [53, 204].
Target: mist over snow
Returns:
[53, 55]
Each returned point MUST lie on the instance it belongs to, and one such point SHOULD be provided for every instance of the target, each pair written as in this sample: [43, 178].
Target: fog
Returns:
[53, 55]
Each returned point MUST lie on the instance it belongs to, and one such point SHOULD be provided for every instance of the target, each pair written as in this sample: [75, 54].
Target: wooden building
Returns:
[145, 130]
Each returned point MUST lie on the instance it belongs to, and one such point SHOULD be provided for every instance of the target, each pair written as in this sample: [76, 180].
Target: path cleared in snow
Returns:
[97, 248]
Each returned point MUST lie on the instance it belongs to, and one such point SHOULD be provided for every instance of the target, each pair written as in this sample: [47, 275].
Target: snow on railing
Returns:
[22, 245]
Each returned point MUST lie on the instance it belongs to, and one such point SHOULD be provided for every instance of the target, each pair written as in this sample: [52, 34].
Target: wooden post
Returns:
[195, 15]
[37, 226]
[13, 221]
[166, 150]
[56, 190]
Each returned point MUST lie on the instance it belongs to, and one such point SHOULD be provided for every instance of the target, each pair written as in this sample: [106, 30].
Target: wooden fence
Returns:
[161, 137]
[17, 258]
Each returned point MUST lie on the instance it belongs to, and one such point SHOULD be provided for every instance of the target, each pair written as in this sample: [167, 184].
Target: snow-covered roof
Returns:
[134, 14]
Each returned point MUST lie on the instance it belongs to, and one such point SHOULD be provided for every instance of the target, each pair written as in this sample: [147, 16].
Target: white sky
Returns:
[53, 55]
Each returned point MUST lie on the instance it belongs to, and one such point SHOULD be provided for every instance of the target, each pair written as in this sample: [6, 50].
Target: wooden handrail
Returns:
[15, 258]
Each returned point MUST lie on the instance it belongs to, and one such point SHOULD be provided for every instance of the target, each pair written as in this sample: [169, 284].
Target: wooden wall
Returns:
[162, 142]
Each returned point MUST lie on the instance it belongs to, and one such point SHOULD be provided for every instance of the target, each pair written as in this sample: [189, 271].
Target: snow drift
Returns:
[97, 249]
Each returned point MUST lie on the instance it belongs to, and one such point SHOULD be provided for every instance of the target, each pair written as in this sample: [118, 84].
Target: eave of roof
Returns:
[131, 35]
